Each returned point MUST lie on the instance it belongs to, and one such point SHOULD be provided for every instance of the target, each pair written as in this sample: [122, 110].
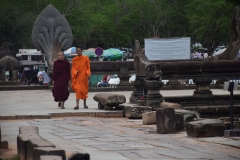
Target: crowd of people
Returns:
[199, 55]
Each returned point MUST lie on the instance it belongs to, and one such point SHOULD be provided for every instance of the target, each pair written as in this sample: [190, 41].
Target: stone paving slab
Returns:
[120, 138]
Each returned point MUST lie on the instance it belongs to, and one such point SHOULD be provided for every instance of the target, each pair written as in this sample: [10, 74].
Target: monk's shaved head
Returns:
[61, 55]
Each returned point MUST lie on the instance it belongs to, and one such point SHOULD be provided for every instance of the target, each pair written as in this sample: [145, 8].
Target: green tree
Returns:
[210, 22]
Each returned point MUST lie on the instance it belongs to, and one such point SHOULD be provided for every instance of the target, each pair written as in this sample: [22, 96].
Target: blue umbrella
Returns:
[71, 50]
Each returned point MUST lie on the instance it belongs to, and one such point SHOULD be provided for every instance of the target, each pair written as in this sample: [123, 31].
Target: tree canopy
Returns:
[116, 23]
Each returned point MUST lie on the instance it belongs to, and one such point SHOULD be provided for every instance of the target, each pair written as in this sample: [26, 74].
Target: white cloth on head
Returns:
[41, 73]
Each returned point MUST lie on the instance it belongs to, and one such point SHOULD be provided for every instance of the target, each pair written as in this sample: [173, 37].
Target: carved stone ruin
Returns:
[148, 78]
[8, 62]
[51, 33]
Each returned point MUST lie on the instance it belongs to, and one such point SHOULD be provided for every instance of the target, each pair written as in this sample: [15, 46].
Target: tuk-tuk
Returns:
[29, 72]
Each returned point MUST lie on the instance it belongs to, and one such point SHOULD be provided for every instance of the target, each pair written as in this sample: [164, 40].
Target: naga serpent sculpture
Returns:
[51, 34]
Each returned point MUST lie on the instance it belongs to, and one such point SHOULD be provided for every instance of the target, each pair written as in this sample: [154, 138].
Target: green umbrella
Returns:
[116, 54]
[90, 53]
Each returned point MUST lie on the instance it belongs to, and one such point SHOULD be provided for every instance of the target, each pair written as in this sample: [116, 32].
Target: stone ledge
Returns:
[7, 117]
[48, 116]
[117, 113]
[114, 114]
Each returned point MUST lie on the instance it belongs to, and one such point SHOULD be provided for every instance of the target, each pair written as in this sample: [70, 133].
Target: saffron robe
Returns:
[61, 76]
[79, 74]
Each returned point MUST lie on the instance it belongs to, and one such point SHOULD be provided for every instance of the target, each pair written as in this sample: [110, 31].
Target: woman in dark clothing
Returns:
[61, 78]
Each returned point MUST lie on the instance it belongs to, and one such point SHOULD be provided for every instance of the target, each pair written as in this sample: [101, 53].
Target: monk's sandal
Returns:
[76, 107]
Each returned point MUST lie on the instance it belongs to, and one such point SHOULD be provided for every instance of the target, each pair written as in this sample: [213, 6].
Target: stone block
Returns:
[39, 151]
[170, 105]
[149, 118]
[136, 111]
[33, 143]
[166, 121]
[232, 133]
[22, 141]
[108, 99]
[28, 130]
[50, 157]
[183, 117]
[205, 128]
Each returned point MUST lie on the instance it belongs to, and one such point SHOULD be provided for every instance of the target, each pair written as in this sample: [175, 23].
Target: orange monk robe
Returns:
[79, 73]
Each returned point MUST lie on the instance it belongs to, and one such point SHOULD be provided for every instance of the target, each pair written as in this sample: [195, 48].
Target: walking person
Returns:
[61, 77]
[80, 73]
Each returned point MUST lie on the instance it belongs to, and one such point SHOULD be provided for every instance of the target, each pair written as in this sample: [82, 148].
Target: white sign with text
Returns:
[167, 48]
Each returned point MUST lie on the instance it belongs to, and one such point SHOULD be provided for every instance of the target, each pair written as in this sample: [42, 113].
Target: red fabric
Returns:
[105, 78]
[61, 77]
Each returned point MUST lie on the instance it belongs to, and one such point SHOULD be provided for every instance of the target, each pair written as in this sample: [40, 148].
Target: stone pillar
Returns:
[153, 97]
[202, 86]
[124, 77]
[14, 75]
[137, 90]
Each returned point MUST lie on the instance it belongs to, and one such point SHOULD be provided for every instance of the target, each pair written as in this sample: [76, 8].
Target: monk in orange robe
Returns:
[80, 74]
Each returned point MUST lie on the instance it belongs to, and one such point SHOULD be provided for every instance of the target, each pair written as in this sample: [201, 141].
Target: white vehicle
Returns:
[219, 52]
[132, 78]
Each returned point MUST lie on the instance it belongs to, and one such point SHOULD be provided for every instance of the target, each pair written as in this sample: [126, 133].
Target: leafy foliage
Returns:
[116, 23]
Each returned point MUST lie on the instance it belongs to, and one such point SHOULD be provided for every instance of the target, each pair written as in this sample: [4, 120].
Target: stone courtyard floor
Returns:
[121, 139]
[116, 138]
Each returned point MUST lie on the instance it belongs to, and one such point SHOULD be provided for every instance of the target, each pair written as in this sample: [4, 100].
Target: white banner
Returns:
[167, 48]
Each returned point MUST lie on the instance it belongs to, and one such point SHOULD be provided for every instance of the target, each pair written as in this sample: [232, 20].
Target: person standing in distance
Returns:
[61, 77]
[80, 73]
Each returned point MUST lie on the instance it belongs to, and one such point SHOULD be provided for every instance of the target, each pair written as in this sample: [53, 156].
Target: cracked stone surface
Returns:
[122, 139]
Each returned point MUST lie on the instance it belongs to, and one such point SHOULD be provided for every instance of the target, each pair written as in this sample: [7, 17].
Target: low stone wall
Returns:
[31, 146]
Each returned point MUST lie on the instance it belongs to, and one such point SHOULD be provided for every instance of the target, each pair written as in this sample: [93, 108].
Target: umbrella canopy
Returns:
[70, 50]
[89, 52]
[116, 54]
